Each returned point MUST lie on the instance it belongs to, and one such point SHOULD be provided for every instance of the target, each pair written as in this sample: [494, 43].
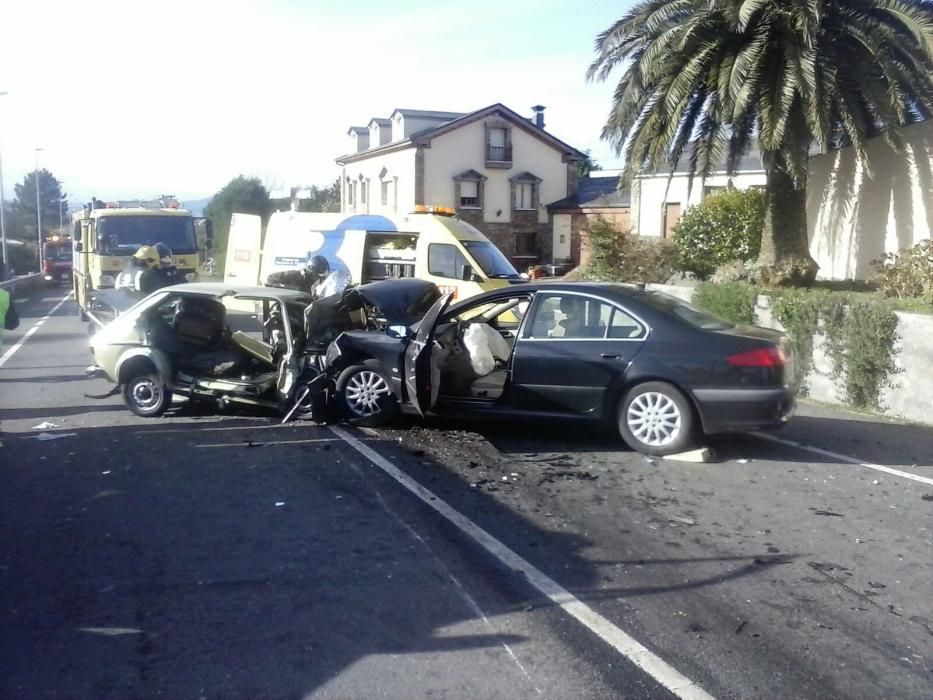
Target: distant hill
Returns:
[196, 206]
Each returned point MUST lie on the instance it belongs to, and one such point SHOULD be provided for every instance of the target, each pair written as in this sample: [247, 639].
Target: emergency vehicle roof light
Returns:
[428, 209]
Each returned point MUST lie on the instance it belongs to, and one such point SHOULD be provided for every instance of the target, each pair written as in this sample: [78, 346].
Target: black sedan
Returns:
[656, 369]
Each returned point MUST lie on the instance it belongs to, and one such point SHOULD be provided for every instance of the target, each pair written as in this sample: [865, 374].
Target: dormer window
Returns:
[468, 190]
[498, 144]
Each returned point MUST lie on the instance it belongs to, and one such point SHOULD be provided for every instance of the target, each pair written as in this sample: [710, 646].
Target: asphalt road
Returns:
[224, 556]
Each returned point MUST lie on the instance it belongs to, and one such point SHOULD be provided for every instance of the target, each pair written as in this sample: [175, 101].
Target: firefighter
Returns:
[142, 273]
[308, 279]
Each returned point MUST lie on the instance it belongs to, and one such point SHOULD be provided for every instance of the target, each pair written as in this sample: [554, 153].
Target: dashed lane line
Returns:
[634, 651]
[845, 458]
[28, 334]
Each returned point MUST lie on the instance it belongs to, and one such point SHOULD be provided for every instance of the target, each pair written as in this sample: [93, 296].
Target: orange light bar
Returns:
[428, 209]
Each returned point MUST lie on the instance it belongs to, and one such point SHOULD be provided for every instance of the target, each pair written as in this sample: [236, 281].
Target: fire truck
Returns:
[107, 235]
[57, 259]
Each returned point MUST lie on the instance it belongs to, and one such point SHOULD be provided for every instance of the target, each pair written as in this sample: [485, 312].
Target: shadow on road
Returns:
[255, 572]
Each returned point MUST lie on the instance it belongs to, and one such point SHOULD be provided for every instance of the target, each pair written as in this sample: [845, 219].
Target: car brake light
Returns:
[761, 357]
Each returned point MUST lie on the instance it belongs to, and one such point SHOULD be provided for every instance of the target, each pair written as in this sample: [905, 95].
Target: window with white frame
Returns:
[525, 191]
[468, 190]
[469, 194]
[363, 192]
[524, 195]
[350, 197]
[384, 193]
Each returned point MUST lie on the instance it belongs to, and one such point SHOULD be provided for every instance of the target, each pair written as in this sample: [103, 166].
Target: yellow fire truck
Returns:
[106, 236]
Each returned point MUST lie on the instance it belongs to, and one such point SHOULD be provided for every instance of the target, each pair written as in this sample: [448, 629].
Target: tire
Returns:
[146, 396]
[364, 396]
[655, 418]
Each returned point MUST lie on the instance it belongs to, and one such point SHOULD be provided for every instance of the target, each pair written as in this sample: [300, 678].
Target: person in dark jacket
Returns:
[305, 280]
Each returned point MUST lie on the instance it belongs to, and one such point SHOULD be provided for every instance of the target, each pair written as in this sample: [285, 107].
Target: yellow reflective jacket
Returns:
[4, 305]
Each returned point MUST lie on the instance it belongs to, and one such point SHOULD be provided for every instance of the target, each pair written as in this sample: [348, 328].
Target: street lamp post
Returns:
[6, 261]
[38, 212]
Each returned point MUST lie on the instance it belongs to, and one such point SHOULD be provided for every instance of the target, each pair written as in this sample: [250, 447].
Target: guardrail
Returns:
[29, 279]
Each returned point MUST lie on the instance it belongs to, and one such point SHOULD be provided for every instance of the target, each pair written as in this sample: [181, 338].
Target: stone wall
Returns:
[913, 387]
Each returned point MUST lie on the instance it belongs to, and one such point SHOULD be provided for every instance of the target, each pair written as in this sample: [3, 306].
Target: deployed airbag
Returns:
[485, 346]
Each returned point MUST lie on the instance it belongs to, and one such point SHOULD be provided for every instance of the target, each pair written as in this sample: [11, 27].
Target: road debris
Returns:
[111, 631]
[742, 461]
[679, 519]
[43, 437]
[45, 425]
[927, 497]
[828, 513]
[279, 504]
[701, 455]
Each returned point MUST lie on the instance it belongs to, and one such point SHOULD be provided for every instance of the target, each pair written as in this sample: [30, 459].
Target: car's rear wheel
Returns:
[146, 396]
[656, 418]
[364, 395]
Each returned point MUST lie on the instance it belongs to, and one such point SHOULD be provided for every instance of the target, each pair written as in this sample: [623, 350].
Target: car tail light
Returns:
[760, 357]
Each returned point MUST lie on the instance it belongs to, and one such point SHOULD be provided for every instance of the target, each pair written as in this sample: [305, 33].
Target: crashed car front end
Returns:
[370, 324]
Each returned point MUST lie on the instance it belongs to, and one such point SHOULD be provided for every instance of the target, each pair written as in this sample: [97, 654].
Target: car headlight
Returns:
[106, 280]
[191, 276]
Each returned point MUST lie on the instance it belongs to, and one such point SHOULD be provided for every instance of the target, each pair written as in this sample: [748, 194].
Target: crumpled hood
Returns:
[399, 301]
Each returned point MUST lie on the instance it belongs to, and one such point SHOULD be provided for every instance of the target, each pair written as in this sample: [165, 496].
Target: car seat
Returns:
[199, 322]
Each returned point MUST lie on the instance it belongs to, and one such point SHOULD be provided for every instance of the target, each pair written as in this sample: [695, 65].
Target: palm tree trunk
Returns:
[784, 259]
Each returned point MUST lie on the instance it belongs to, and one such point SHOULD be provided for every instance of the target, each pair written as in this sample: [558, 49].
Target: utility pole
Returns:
[5, 272]
[38, 212]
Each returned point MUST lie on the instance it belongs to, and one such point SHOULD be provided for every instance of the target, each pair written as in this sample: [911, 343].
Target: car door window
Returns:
[571, 317]
[501, 314]
[445, 260]
[622, 325]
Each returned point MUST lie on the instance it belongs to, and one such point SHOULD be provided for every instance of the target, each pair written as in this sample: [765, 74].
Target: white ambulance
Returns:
[430, 244]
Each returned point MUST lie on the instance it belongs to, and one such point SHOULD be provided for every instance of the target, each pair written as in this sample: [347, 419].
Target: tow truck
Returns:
[107, 235]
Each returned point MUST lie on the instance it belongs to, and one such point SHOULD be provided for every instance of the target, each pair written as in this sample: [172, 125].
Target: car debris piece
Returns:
[927, 497]
[828, 513]
[701, 455]
[111, 631]
[45, 425]
[742, 461]
[43, 437]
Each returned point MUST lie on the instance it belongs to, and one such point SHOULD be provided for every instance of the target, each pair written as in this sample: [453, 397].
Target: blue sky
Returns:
[137, 99]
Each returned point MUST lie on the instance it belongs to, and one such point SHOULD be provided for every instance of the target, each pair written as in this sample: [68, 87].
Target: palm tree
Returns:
[703, 81]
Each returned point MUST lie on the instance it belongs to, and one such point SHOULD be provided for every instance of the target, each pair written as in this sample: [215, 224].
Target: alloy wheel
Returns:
[654, 419]
[365, 392]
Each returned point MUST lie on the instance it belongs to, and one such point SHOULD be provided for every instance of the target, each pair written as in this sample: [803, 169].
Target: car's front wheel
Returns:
[364, 395]
[146, 396]
[657, 419]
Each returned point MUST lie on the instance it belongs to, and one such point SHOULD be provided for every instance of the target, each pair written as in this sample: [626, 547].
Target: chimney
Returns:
[539, 115]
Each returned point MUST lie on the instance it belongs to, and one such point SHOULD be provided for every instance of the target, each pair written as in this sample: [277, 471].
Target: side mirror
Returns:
[400, 332]
[469, 276]
[79, 247]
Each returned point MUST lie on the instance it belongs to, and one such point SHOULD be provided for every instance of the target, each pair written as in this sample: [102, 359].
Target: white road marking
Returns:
[202, 429]
[845, 458]
[271, 442]
[641, 656]
[12, 351]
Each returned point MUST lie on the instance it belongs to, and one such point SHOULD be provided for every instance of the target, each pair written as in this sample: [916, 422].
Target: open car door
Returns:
[244, 246]
[421, 376]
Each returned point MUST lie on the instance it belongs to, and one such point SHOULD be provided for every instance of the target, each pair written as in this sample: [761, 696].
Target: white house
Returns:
[855, 217]
[499, 170]
[659, 199]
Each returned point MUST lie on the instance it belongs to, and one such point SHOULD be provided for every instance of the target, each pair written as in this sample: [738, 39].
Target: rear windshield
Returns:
[698, 318]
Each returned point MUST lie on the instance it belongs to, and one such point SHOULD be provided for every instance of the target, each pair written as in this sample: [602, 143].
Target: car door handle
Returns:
[609, 356]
